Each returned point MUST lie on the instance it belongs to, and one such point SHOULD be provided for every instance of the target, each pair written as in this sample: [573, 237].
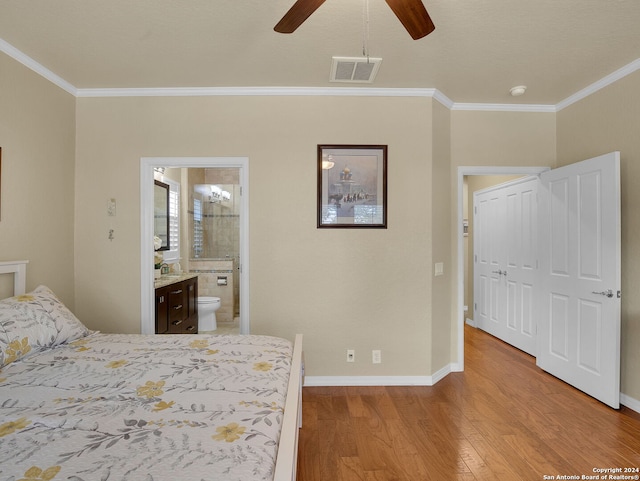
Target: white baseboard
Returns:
[367, 381]
[441, 373]
[471, 322]
[456, 367]
[310, 381]
[378, 380]
[630, 402]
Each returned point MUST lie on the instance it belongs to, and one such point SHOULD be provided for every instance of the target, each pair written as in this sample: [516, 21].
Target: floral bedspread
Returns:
[145, 408]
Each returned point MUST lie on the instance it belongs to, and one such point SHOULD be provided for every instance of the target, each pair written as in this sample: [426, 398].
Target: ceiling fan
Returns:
[411, 13]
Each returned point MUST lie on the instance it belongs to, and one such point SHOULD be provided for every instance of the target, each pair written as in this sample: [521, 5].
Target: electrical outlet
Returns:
[376, 356]
[351, 355]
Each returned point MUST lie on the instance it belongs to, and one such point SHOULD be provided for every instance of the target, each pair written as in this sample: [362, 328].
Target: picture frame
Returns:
[352, 186]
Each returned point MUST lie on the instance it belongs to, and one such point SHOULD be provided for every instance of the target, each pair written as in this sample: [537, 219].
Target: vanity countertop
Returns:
[168, 279]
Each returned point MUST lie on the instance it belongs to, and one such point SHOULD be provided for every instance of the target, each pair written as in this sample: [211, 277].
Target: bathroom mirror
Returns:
[161, 213]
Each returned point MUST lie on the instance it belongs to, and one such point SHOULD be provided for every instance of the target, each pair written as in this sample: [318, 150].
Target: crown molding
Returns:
[437, 95]
[504, 107]
[255, 91]
[311, 92]
[443, 99]
[269, 91]
[28, 62]
[600, 84]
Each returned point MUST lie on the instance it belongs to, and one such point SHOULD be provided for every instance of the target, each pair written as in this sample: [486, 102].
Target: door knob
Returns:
[607, 293]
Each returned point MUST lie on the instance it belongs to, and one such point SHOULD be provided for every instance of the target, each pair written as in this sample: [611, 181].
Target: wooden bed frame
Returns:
[19, 271]
[287, 458]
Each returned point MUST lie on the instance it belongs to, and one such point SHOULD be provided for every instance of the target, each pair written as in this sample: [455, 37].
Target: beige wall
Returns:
[358, 289]
[343, 289]
[37, 136]
[443, 247]
[604, 122]
[502, 139]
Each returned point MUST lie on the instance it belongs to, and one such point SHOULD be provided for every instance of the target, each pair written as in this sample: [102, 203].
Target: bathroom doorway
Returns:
[214, 233]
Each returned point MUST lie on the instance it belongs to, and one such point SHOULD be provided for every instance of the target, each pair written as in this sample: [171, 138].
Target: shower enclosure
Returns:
[214, 235]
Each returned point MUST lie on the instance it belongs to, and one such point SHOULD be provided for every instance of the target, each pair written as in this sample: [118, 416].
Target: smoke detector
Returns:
[354, 69]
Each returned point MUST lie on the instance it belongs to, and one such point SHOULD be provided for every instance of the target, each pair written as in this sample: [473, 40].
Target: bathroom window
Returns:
[197, 228]
[173, 255]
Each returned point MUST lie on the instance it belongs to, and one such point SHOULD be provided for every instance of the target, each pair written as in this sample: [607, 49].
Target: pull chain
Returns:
[365, 30]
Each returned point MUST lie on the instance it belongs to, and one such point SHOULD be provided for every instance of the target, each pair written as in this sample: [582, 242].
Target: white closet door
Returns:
[505, 260]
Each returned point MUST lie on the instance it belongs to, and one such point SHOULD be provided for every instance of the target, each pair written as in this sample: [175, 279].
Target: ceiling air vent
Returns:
[354, 69]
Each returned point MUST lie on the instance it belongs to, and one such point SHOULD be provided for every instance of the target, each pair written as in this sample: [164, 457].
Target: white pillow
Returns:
[33, 322]
[68, 326]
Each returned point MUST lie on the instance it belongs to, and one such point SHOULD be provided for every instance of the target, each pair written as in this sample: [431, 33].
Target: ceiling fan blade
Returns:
[413, 16]
[297, 15]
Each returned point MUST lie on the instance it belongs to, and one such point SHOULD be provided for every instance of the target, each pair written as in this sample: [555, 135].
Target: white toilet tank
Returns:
[207, 307]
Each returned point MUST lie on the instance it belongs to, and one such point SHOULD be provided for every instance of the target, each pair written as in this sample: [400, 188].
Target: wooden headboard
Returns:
[19, 271]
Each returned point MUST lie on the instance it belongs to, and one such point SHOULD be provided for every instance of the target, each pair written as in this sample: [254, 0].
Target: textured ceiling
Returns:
[479, 50]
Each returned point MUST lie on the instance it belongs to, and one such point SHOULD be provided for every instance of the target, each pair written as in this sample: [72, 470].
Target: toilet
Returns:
[207, 307]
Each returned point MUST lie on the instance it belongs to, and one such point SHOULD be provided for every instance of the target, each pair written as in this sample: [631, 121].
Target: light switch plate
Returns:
[376, 356]
[111, 207]
[439, 268]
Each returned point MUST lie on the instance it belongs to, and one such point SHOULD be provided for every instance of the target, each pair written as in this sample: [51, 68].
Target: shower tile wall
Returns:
[219, 254]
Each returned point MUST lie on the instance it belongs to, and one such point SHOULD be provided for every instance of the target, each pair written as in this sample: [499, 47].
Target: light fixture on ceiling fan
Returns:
[411, 14]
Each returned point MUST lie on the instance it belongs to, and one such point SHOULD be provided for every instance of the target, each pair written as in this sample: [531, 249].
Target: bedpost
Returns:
[19, 271]
[287, 460]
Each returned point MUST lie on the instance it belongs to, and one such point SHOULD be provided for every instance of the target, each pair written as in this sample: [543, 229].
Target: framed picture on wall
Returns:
[352, 186]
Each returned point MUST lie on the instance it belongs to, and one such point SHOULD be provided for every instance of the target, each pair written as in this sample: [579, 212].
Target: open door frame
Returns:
[147, 298]
[462, 172]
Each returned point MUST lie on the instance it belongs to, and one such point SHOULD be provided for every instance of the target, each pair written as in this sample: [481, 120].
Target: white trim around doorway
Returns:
[462, 172]
[147, 297]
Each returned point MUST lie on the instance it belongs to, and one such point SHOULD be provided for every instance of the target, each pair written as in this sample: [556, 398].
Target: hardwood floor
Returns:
[502, 419]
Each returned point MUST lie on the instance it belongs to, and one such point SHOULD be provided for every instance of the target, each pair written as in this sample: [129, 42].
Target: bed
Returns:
[80, 405]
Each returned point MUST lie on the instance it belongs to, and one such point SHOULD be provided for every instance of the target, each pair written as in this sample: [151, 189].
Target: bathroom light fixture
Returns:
[517, 91]
[218, 195]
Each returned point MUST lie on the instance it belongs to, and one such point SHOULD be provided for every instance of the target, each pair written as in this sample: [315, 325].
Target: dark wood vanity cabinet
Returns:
[177, 307]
